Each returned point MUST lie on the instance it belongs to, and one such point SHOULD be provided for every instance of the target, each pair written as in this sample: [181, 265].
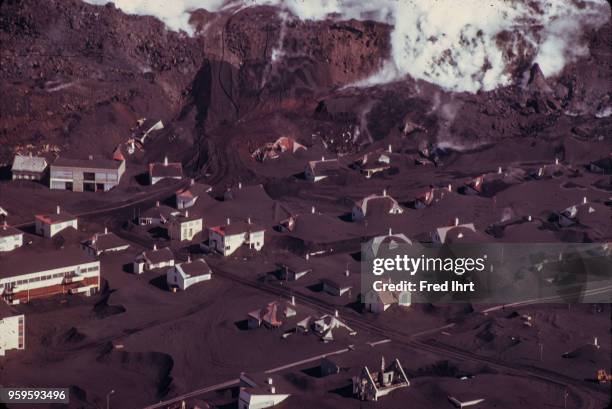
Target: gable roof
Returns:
[29, 163]
[158, 256]
[194, 268]
[53, 218]
[173, 169]
[105, 241]
[324, 167]
[100, 163]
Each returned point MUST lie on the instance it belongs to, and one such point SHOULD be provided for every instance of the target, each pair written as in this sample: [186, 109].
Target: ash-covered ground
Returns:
[75, 79]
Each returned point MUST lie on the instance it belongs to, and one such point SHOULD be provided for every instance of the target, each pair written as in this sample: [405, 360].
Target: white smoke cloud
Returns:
[454, 44]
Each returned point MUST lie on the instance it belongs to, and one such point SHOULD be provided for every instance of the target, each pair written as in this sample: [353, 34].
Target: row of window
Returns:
[11, 284]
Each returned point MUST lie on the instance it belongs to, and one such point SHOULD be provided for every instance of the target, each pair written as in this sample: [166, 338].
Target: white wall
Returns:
[9, 243]
[11, 334]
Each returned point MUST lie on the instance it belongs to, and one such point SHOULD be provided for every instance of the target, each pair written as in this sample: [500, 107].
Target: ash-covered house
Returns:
[379, 301]
[12, 332]
[184, 226]
[188, 196]
[374, 162]
[86, 175]
[488, 185]
[430, 197]
[28, 167]
[585, 213]
[270, 315]
[26, 274]
[602, 166]
[260, 391]
[152, 259]
[165, 170]
[334, 287]
[156, 215]
[228, 238]
[48, 225]
[102, 243]
[376, 205]
[10, 237]
[317, 170]
[183, 275]
[370, 386]
[294, 268]
[439, 236]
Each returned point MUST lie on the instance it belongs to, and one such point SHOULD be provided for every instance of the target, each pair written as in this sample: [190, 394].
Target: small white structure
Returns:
[376, 205]
[317, 170]
[439, 236]
[188, 197]
[10, 237]
[152, 259]
[28, 167]
[48, 225]
[184, 226]
[165, 170]
[12, 333]
[335, 288]
[259, 392]
[228, 238]
[101, 243]
[184, 275]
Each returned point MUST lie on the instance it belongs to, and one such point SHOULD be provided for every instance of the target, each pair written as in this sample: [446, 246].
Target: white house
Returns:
[10, 238]
[335, 288]
[184, 226]
[106, 242]
[152, 259]
[48, 225]
[228, 238]
[156, 215]
[165, 170]
[184, 275]
[12, 333]
[376, 205]
[28, 167]
[260, 392]
[439, 236]
[27, 273]
[188, 196]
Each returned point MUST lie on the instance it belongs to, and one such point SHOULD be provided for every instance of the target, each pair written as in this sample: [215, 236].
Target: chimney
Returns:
[4, 225]
[189, 258]
[273, 389]
[154, 246]
[312, 210]
[58, 209]
[390, 148]
[499, 170]
[556, 161]
[269, 381]
[106, 230]
[157, 204]
[529, 218]
[322, 158]
[186, 213]
[584, 200]
[307, 257]
[239, 185]
[456, 221]
[390, 231]
[596, 342]
[248, 220]
[347, 272]
[165, 161]
[336, 314]
[450, 187]
[384, 192]
[192, 182]
[90, 157]
[228, 221]
[293, 303]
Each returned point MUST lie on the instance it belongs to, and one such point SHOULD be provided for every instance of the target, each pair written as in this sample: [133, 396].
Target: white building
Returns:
[376, 205]
[10, 238]
[380, 301]
[152, 259]
[184, 275]
[86, 175]
[440, 235]
[165, 170]
[28, 167]
[228, 238]
[12, 333]
[27, 274]
[184, 226]
[48, 225]
[258, 391]
[188, 197]
[106, 242]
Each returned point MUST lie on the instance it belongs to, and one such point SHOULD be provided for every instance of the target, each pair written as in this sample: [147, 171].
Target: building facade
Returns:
[12, 333]
[37, 275]
[184, 275]
[184, 227]
[48, 225]
[230, 237]
[10, 238]
[28, 167]
[86, 175]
